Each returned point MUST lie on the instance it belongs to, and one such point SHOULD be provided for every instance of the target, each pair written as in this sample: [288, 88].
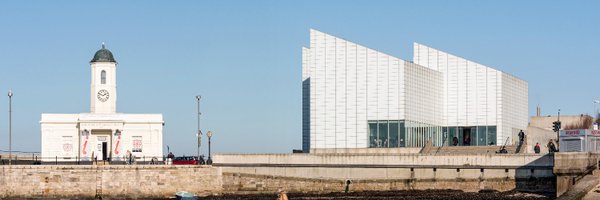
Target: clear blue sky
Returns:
[244, 58]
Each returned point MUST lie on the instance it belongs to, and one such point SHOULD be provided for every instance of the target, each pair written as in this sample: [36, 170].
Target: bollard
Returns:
[56, 160]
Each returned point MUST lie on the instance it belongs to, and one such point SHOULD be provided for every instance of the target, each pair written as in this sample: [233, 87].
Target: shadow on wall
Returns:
[536, 178]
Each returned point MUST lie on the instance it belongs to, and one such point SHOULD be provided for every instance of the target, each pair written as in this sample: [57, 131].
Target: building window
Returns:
[137, 144]
[491, 135]
[67, 145]
[373, 140]
[103, 77]
[482, 136]
[383, 134]
[393, 133]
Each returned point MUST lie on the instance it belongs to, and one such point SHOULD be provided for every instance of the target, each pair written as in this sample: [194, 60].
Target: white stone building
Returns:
[356, 97]
[102, 133]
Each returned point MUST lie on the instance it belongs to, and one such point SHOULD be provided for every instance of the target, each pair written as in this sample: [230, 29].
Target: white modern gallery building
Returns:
[103, 133]
[357, 97]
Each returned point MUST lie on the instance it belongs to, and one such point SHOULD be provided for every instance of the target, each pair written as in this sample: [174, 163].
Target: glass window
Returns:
[136, 144]
[491, 135]
[402, 139]
[372, 134]
[452, 136]
[103, 77]
[460, 135]
[481, 136]
[67, 145]
[393, 133]
[383, 134]
[446, 141]
[470, 136]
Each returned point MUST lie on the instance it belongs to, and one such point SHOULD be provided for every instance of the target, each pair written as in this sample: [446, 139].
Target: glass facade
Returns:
[401, 133]
[471, 136]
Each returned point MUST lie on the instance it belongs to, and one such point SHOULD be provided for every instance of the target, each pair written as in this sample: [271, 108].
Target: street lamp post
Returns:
[209, 135]
[595, 108]
[10, 94]
[199, 134]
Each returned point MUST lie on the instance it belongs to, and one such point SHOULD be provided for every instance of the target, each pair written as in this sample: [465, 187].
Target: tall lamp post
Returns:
[597, 101]
[209, 134]
[10, 94]
[199, 134]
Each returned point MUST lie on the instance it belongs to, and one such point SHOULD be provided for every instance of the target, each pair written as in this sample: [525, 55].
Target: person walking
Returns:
[551, 147]
[128, 157]
[536, 149]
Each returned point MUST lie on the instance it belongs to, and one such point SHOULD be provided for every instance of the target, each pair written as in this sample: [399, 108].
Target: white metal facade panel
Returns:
[351, 84]
[474, 94]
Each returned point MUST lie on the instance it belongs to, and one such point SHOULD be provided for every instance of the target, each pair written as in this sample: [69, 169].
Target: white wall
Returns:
[110, 105]
[345, 85]
[477, 95]
[56, 126]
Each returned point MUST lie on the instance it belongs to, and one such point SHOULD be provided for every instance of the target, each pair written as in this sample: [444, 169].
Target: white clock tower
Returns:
[101, 134]
[104, 82]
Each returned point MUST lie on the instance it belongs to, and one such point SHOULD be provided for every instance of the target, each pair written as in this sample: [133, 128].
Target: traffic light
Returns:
[556, 126]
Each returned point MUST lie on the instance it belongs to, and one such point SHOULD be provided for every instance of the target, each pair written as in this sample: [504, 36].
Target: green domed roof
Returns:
[103, 55]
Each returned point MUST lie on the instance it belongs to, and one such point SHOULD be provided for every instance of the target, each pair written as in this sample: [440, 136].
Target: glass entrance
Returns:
[104, 151]
[466, 136]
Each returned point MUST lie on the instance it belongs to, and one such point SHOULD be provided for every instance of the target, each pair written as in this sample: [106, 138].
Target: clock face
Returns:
[103, 95]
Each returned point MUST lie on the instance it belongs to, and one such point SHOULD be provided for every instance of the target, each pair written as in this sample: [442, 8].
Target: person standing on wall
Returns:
[521, 137]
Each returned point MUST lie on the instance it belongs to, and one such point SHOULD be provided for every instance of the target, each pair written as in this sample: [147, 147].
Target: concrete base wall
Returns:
[504, 160]
[112, 181]
[373, 172]
[252, 183]
[570, 167]
[402, 150]
[391, 173]
[539, 135]
[291, 172]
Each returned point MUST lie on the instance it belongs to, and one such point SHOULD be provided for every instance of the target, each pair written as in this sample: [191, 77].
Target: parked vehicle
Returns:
[187, 160]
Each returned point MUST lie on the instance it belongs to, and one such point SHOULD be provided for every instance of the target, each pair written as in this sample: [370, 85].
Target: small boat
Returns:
[183, 195]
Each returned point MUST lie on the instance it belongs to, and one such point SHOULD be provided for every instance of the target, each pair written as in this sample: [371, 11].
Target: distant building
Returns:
[356, 97]
[103, 132]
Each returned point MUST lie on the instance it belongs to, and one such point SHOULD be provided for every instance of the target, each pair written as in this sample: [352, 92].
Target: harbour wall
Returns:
[256, 173]
[570, 167]
[87, 181]
[266, 173]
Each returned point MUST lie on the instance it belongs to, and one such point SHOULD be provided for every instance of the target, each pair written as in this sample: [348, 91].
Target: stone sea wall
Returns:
[108, 181]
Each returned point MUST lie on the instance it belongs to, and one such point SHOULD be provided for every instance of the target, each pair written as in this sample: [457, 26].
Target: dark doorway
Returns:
[466, 136]
[104, 151]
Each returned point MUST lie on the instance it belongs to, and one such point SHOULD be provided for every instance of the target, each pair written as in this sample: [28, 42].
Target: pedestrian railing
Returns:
[75, 160]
